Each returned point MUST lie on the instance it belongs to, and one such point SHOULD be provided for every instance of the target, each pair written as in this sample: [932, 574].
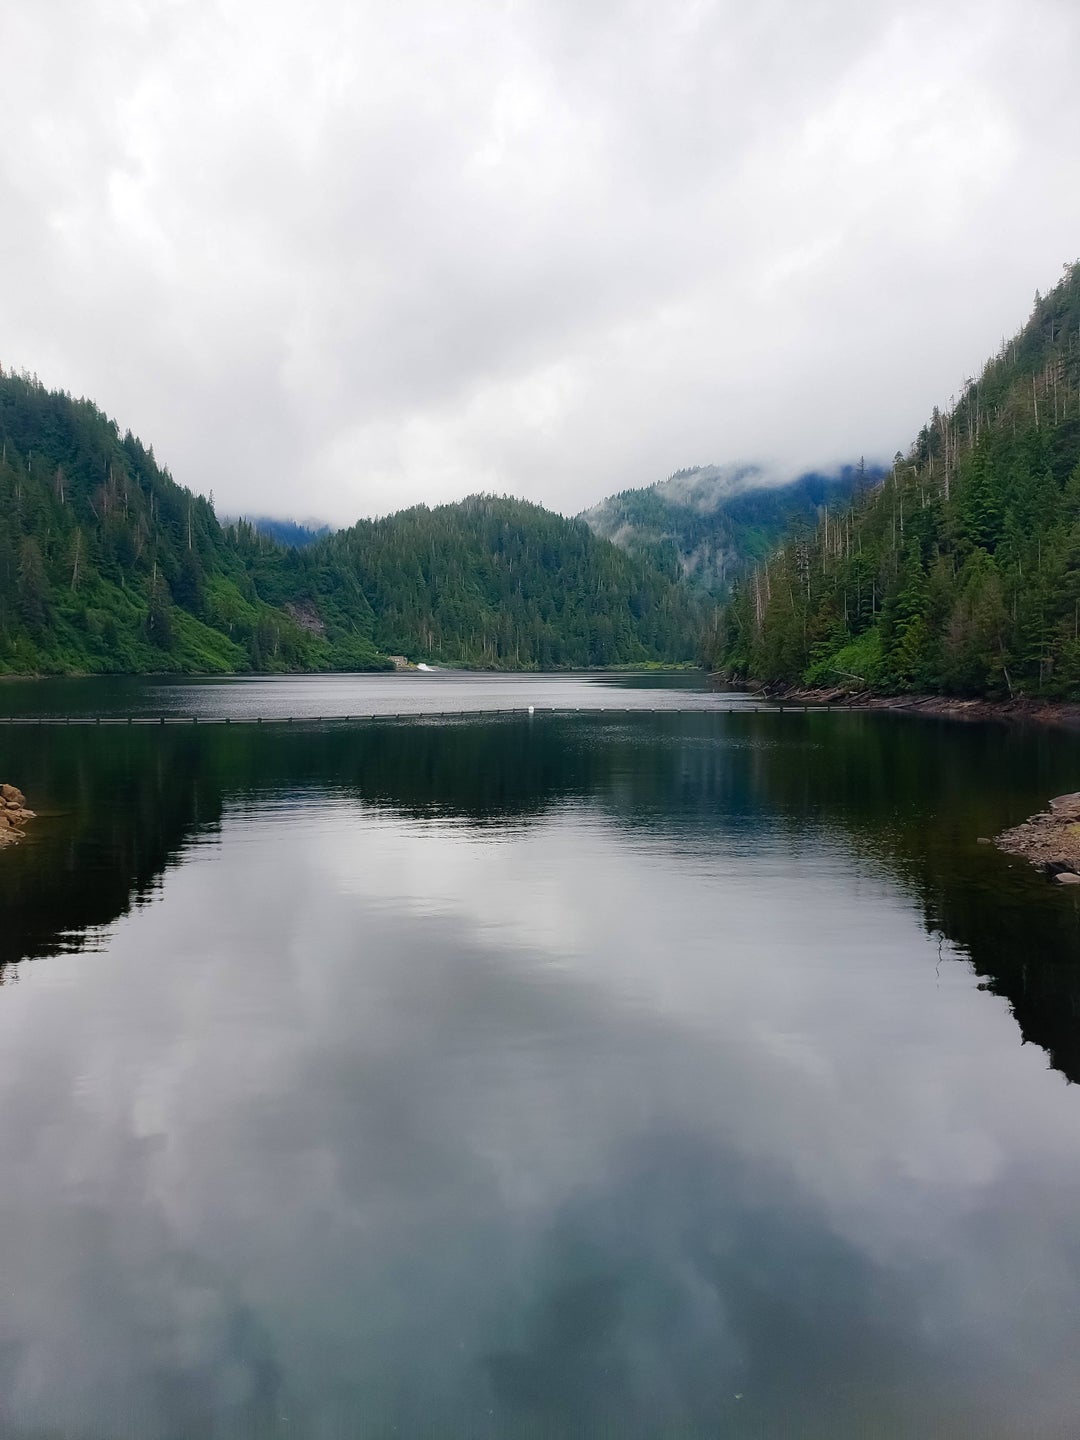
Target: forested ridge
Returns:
[108, 565]
[502, 582]
[959, 573]
[715, 522]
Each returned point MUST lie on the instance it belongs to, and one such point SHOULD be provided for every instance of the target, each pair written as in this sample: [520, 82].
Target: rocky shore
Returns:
[13, 814]
[949, 707]
[1050, 840]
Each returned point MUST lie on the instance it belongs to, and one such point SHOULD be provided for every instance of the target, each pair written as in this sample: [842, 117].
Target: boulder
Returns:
[13, 813]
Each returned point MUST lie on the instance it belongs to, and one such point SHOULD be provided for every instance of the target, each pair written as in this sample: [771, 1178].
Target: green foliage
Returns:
[107, 565]
[709, 525]
[854, 662]
[963, 564]
[501, 583]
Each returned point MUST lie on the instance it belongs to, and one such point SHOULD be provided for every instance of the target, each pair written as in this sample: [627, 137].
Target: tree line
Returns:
[108, 565]
[959, 572]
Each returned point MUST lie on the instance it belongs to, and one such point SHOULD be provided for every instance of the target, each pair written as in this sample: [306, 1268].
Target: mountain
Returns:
[715, 521]
[290, 533]
[108, 565]
[501, 582]
[959, 572]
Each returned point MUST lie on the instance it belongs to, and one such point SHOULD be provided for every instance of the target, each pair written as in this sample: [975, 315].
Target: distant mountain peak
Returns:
[704, 487]
[714, 520]
[293, 534]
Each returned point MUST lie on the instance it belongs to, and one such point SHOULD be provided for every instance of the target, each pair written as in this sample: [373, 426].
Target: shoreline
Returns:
[675, 667]
[946, 707]
[1049, 840]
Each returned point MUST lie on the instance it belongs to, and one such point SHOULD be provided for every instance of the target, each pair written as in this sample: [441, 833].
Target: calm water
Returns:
[611, 1074]
[316, 696]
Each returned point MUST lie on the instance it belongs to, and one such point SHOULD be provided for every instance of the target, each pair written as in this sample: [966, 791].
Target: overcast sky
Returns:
[338, 257]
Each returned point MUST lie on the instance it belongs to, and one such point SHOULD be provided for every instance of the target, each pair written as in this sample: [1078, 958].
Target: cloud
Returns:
[401, 252]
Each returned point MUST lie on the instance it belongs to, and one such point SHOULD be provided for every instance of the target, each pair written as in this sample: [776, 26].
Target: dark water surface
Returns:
[620, 1073]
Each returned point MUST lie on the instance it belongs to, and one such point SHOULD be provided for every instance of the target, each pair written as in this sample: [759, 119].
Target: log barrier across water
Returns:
[522, 712]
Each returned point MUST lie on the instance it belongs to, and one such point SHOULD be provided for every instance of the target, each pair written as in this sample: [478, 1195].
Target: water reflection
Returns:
[909, 798]
[582, 1077]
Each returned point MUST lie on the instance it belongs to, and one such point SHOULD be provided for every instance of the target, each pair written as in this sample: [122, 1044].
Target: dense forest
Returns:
[715, 522]
[108, 565]
[960, 571]
[501, 582]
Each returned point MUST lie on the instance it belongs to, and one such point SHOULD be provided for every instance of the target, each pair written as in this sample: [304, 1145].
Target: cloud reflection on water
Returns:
[381, 1142]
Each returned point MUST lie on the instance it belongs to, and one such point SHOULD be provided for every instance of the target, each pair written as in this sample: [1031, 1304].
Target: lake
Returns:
[638, 1067]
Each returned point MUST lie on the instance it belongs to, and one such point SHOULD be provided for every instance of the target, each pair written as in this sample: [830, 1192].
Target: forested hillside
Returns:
[501, 582]
[715, 522]
[107, 565]
[960, 572]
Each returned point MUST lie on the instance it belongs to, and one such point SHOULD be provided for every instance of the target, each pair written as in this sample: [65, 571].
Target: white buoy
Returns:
[531, 709]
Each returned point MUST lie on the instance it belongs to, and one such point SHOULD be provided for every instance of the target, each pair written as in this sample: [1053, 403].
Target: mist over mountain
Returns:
[293, 534]
[960, 571]
[713, 521]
